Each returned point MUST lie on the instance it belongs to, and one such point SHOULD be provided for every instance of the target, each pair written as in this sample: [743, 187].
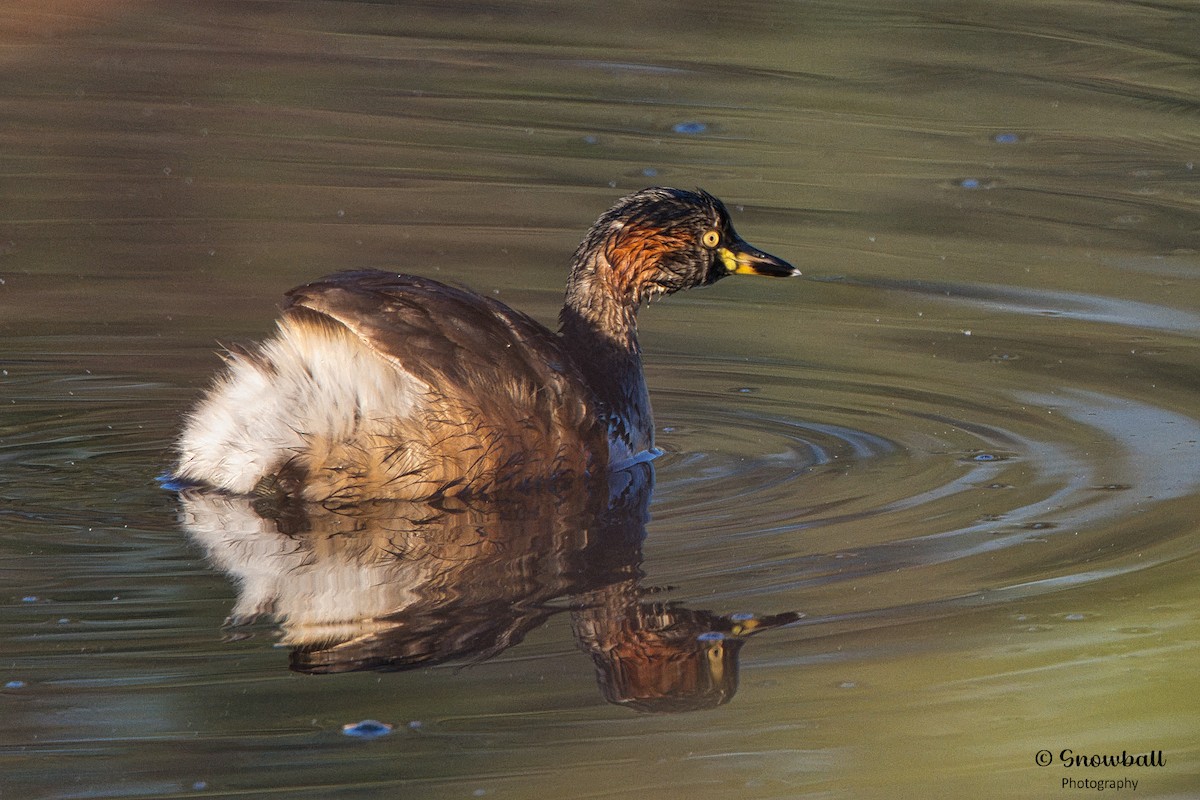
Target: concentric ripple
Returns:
[781, 480]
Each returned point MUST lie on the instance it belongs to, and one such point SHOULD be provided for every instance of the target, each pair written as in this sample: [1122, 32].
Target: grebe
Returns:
[380, 385]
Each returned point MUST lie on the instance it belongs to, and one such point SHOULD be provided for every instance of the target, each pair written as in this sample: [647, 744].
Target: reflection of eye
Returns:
[711, 239]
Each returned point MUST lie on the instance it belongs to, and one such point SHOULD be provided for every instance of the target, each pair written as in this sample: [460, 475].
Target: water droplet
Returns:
[1006, 138]
[15, 685]
[690, 127]
[649, 172]
[367, 729]
[969, 183]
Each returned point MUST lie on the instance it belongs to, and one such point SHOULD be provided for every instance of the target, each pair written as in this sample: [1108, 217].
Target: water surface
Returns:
[920, 515]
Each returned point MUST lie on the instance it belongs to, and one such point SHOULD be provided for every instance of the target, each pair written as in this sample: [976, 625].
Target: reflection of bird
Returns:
[663, 658]
[399, 585]
[385, 385]
[404, 585]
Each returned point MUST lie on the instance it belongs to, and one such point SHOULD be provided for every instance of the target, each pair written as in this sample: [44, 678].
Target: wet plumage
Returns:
[384, 385]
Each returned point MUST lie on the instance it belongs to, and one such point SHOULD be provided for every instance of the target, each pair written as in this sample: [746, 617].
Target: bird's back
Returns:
[382, 385]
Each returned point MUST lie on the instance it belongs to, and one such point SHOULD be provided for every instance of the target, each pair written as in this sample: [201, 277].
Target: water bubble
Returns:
[367, 729]
[649, 172]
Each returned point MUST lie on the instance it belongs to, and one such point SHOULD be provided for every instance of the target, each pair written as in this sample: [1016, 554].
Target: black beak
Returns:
[741, 258]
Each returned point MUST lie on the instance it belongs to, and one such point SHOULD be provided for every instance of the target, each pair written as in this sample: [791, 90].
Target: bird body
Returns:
[384, 385]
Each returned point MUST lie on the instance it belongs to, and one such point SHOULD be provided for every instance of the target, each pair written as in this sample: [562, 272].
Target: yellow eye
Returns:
[711, 239]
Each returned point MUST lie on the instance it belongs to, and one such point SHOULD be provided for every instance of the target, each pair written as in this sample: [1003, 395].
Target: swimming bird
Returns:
[380, 385]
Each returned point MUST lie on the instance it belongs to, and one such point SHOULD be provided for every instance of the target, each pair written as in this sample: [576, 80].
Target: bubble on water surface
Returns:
[367, 729]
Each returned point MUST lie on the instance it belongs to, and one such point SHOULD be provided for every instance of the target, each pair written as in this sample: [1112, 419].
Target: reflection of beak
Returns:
[743, 625]
[743, 259]
[746, 627]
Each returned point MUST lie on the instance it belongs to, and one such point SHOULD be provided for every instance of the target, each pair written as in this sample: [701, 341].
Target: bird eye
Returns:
[711, 239]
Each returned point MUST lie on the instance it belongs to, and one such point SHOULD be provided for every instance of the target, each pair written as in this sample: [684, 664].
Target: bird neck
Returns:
[598, 326]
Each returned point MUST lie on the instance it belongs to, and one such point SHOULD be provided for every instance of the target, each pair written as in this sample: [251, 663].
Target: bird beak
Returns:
[741, 258]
